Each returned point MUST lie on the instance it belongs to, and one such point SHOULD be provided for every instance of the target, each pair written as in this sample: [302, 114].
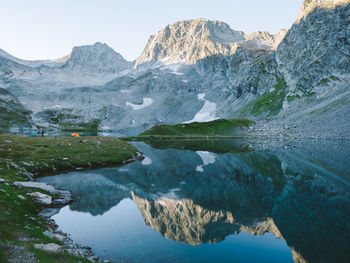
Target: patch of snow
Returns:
[177, 73]
[146, 161]
[207, 113]
[201, 96]
[185, 80]
[146, 102]
[125, 91]
[199, 168]
[207, 158]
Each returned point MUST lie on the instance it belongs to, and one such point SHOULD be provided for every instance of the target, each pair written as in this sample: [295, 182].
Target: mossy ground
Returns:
[270, 103]
[20, 155]
[221, 127]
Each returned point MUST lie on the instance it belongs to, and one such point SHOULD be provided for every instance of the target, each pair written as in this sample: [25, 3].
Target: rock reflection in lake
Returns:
[218, 201]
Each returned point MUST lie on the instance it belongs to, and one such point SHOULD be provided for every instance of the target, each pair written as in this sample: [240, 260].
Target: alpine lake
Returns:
[215, 201]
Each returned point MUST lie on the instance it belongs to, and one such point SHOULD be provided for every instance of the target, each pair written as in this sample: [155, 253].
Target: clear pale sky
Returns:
[44, 29]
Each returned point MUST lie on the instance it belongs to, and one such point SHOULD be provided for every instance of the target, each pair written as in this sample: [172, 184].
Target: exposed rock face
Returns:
[309, 6]
[97, 59]
[190, 40]
[266, 38]
[316, 50]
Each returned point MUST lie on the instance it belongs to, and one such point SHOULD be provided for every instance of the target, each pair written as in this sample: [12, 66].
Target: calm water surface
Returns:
[215, 201]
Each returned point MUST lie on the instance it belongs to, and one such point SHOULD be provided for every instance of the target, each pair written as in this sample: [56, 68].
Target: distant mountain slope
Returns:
[12, 111]
[98, 59]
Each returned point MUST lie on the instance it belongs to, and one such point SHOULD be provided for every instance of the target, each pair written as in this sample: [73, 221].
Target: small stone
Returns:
[65, 159]
[21, 197]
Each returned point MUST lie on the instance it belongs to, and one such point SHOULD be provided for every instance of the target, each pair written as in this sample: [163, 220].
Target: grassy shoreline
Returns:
[22, 157]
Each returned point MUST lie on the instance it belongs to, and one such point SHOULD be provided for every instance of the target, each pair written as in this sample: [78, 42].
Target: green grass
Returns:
[293, 97]
[44, 155]
[41, 156]
[270, 102]
[221, 127]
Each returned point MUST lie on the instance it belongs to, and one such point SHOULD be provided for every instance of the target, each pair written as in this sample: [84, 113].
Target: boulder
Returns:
[51, 248]
[42, 199]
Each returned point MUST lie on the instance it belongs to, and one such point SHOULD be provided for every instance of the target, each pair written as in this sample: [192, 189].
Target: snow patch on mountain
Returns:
[146, 102]
[207, 113]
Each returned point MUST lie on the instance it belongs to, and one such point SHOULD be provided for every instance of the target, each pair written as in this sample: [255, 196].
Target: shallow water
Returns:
[215, 201]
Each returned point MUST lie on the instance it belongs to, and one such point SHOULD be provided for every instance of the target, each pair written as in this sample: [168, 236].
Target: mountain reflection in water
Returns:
[214, 192]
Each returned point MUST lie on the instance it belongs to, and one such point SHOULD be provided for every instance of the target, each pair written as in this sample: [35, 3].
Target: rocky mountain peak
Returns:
[266, 39]
[97, 58]
[309, 5]
[188, 41]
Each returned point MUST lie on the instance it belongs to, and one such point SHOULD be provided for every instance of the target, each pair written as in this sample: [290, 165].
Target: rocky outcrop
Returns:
[96, 59]
[188, 41]
[310, 5]
[192, 40]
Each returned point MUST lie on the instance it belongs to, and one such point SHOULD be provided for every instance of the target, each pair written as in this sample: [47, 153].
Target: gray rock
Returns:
[51, 248]
[43, 186]
[40, 198]
[49, 212]
[56, 236]
[21, 197]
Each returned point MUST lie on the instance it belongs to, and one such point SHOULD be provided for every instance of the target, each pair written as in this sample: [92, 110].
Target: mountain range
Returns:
[294, 83]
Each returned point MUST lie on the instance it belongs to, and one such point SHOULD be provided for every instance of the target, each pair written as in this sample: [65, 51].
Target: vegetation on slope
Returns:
[20, 156]
[12, 112]
[270, 103]
[221, 127]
